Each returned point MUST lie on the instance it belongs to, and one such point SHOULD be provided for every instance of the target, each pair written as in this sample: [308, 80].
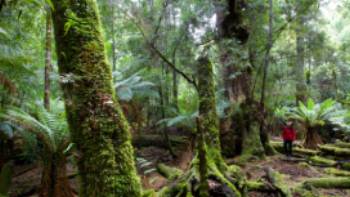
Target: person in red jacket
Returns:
[288, 135]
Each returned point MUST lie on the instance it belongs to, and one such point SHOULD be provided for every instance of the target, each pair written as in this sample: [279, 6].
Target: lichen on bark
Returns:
[97, 124]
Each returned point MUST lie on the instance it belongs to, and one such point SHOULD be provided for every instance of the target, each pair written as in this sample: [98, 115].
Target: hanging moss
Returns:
[97, 124]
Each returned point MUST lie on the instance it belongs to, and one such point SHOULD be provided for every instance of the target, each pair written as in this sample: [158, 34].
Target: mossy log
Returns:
[334, 150]
[345, 165]
[157, 140]
[321, 161]
[337, 172]
[342, 144]
[259, 186]
[328, 183]
[168, 172]
[297, 150]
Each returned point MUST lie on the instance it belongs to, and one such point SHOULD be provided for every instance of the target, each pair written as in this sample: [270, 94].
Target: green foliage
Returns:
[133, 86]
[313, 114]
[49, 128]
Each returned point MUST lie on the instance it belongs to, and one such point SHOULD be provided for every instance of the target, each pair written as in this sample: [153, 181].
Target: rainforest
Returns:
[174, 98]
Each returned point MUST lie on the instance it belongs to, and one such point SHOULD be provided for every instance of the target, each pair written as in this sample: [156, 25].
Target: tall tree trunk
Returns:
[97, 124]
[48, 65]
[175, 91]
[242, 134]
[114, 59]
[162, 105]
[264, 136]
[209, 148]
[301, 88]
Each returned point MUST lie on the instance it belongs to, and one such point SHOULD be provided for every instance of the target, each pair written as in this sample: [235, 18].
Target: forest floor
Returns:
[27, 178]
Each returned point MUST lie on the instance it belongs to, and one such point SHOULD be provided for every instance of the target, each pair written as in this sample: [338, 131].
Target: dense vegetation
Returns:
[174, 97]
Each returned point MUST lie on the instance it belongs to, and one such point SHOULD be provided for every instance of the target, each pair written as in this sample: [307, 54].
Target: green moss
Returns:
[277, 180]
[252, 148]
[256, 186]
[345, 165]
[149, 193]
[342, 144]
[170, 173]
[328, 183]
[97, 124]
[337, 172]
[334, 150]
[322, 161]
[207, 102]
[302, 192]
[304, 151]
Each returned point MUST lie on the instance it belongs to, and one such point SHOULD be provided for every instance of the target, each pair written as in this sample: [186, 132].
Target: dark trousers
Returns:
[288, 147]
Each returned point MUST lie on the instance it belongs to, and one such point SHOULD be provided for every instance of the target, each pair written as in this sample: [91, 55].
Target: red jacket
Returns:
[288, 133]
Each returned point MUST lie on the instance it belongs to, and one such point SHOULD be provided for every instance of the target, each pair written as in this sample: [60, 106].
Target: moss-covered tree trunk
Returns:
[241, 135]
[97, 124]
[207, 108]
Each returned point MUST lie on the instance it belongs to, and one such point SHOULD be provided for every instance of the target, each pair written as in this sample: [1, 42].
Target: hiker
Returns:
[288, 135]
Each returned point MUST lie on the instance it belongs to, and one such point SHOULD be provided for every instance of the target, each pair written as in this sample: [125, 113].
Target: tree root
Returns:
[168, 172]
[229, 184]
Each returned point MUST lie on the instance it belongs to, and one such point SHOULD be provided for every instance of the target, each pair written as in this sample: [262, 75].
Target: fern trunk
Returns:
[97, 124]
[312, 139]
[54, 180]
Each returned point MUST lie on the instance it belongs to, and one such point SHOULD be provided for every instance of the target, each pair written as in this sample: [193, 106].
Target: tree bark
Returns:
[54, 180]
[96, 121]
[237, 82]
[312, 139]
[114, 60]
[48, 66]
[264, 136]
[301, 88]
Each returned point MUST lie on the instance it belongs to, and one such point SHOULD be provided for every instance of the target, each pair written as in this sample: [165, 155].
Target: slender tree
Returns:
[264, 136]
[48, 66]
[301, 88]
[97, 124]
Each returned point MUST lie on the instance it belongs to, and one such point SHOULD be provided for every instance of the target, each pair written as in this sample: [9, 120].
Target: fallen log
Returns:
[337, 172]
[321, 161]
[328, 183]
[333, 150]
[296, 150]
[345, 165]
[342, 144]
[157, 140]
